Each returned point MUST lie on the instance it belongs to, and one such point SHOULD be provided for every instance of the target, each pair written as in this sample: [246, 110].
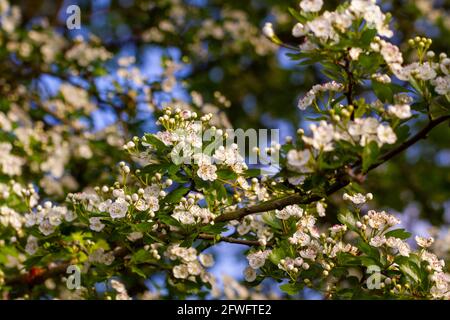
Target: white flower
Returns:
[207, 172]
[401, 111]
[322, 28]
[358, 198]
[152, 190]
[402, 98]
[250, 274]
[220, 155]
[354, 53]
[141, 205]
[402, 247]
[320, 208]
[289, 211]
[180, 271]
[441, 85]
[433, 260]
[382, 78]
[118, 209]
[311, 5]
[296, 159]
[308, 222]
[136, 235]
[194, 268]
[425, 72]
[153, 204]
[95, 224]
[309, 253]
[386, 134]
[301, 238]
[257, 259]
[441, 287]
[306, 101]
[424, 242]
[46, 228]
[268, 30]
[299, 30]
[322, 136]
[377, 241]
[391, 53]
[378, 220]
[118, 286]
[32, 245]
[206, 260]
[337, 228]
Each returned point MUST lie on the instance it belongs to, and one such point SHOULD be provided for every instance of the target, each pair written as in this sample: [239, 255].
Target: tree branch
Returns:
[206, 236]
[341, 183]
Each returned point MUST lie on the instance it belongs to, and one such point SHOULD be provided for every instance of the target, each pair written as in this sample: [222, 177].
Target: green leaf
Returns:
[410, 269]
[251, 173]
[348, 219]
[367, 37]
[142, 256]
[369, 155]
[370, 251]
[226, 174]
[154, 168]
[291, 288]
[270, 219]
[398, 233]
[175, 195]
[154, 141]
[138, 271]
[297, 15]
[276, 255]
[383, 92]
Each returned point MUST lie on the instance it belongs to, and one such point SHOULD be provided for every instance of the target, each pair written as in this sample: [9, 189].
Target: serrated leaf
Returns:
[296, 15]
[398, 233]
[383, 92]
[347, 218]
[369, 155]
[138, 271]
[411, 270]
[175, 195]
[154, 141]
[226, 174]
[291, 288]
[142, 256]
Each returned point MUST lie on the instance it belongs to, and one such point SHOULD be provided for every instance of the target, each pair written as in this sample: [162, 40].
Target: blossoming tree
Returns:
[118, 208]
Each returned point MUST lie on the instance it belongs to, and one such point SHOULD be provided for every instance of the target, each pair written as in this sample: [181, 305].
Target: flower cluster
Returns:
[192, 265]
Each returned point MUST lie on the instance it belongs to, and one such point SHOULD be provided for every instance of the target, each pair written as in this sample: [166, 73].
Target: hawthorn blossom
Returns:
[95, 224]
[385, 134]
[311, 5]
[424, 242]
[358, 198]
[118, 209]
[401, 111]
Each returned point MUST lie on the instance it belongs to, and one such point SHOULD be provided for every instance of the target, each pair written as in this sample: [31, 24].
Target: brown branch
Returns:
[38, 275]
[280, 203]
[339, 184]
[206, 236]
[33, 278]
[422, 134]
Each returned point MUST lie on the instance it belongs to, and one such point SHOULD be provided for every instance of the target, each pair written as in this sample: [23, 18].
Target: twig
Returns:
[206, 236]
[341, 183]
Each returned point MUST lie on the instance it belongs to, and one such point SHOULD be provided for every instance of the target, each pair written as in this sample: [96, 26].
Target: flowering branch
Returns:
[206, 236]
[307, 199]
